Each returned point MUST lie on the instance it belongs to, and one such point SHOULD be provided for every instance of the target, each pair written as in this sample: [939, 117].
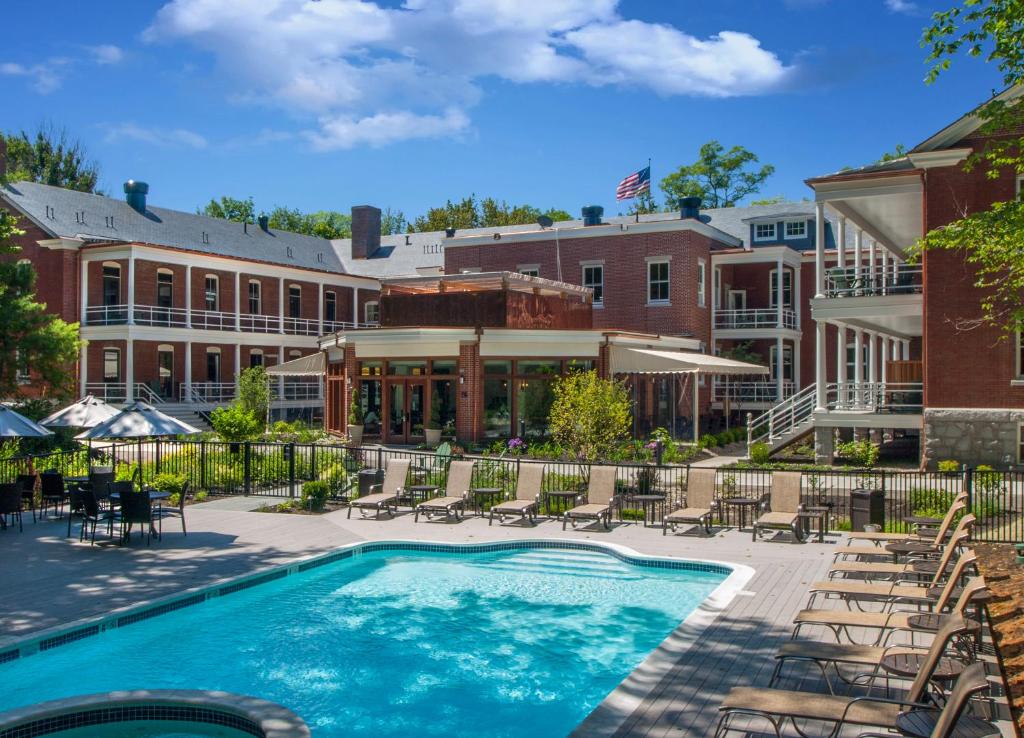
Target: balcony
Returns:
[756, 319]
[151, 315]
[872, 282]
[875, 397]
[750, 393]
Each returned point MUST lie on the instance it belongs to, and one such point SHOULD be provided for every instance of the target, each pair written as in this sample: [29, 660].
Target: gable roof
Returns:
[965, 124]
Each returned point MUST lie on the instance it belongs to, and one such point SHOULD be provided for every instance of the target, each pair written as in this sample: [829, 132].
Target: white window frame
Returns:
[529, 270]
[216, 292]
[775, 230]
[743, 301]
[702, 289]
[652, 261]
[103, 368]
[584, 266]
[787, 350]
[103, 280]
[716, 287]
[801, 223]
[259, 353]
[366, 312]
[259, 297]
[787, 280]
[288, 296]
[334, 301]
[1018, 358]
[220, 363]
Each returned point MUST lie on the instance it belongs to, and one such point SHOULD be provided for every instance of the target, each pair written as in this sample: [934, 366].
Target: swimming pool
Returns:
[510, 640]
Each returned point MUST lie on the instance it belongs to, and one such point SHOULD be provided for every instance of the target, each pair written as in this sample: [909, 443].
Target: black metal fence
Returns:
[280, 470]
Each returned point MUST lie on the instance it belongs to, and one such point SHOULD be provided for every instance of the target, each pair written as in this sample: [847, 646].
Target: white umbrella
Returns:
[88, 412]
[139, 420]
[16, 425]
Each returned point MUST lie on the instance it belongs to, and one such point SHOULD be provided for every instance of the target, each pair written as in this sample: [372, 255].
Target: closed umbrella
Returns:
[15, 425]
[88, 412]
[139, 420]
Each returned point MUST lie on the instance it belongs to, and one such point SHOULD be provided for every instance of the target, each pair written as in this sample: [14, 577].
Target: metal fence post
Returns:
[202, 464]
[380, 457]
[291, 469]
[312, 461]
[247, 468]
[969, 487]
[157, 455]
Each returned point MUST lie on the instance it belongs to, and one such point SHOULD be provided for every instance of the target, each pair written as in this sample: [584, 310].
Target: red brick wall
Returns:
[56, 270]
[966, 364]
[625, 275]
[468, 407]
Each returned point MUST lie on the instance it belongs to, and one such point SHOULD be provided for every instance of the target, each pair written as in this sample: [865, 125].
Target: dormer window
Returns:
[764, 231]
[796, 229]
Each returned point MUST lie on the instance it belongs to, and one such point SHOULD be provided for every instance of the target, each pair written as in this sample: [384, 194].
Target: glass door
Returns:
[406, 410]
[165, 368]
[396, 411]
[417, 393]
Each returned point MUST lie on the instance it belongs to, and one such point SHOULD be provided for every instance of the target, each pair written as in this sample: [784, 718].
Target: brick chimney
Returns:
[365, 231]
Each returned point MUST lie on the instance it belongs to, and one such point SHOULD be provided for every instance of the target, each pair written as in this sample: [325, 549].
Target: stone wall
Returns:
[971, 436]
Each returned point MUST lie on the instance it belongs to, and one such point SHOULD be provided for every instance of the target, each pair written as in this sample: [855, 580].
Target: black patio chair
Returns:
[93, 514]
[99, 483]
[27, 484]
[10, 505]
[176, 511]
[137, 508]
[51, 491]
[75, 503]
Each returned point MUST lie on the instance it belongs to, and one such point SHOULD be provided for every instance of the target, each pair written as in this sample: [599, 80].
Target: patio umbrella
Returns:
[88, 412]
[16, 425]
[139, 420]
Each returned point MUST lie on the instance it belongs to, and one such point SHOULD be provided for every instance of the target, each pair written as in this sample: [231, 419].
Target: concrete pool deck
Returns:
[51, 580]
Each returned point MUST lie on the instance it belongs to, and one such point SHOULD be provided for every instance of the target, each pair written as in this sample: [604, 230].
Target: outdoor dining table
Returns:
[488, 494]
[742, 503]
[155, 495]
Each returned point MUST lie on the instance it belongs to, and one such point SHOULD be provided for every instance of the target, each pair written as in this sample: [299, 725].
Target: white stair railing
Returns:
[782, 418]
[145, 393]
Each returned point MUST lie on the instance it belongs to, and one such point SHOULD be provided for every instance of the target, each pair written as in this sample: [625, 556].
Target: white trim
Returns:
[651, 261]
[941, 158]
[702, 283]
[785, 229]
[165, 270]
[584, 266]
[530, 270]
[878, 187]
[603, 230]
[775, 231]
[367, 304]
[791, 305]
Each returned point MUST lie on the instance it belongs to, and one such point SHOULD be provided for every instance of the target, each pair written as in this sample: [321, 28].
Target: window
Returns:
[111, 284]
[1020, 354]
[593, 279]
[764, 231]
[796, 229]
[111, 365]
[716, 297]
[165, 370]
[330, 306]
[294, 301]
[164, 289]
[1020, 443]
[213, 365]
[529, 270]
[211, 293]
[787, 288]
[255, 297]
[787, 362]
[701, 289]
[469, 270]
[657, 281]
[256, 357]
[371, 312]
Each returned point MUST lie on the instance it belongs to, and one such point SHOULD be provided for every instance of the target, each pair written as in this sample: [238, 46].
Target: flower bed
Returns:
[1005, 578]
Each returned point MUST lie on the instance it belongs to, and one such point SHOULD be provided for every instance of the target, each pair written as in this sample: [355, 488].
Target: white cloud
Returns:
[106, 54]
[373, 74]
[44, 78]
[902, 6]
[157, 136]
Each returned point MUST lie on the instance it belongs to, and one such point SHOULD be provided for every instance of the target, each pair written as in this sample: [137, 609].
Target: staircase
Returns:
[186, 414]
[789, 421]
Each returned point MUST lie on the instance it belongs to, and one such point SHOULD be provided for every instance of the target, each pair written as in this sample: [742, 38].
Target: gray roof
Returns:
[72, 214]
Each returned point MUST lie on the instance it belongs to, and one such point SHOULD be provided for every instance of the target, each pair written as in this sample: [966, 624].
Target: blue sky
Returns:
[405, 104]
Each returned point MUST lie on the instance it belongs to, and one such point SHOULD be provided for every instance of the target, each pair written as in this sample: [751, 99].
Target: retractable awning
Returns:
[651, 361]
[304, 366]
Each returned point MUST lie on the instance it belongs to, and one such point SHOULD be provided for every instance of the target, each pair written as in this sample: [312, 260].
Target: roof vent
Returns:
[592, 215]
[135, 193]
[264, 222]
[408, 240]
[449, 233]
[206, 237]
[288, 250]
[689, 208]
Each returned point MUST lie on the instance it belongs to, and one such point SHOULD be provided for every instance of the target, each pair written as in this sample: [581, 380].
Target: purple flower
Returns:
[651, 445]
[514, 443]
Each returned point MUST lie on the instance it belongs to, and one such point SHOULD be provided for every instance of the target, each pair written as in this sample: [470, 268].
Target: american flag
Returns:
[634, 184]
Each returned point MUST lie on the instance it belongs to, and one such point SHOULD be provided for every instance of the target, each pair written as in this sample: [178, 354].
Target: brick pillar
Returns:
[604, 362]
[469, 397]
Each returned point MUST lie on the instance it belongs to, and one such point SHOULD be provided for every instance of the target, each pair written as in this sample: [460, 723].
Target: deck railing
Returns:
[756, 318]
[175, 317]
[742, 392]
[865, 281]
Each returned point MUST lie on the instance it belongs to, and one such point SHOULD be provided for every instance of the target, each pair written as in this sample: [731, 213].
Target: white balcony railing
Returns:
[739, 393]
[756, 318]
[151, 315]
[853, 282]
[107, 391]
[295, 390]
[874, 397]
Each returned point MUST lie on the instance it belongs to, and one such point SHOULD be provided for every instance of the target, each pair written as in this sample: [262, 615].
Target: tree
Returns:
[31, 339]
[589, 415]
[242, 211]
[51, 157]
[643, 205]
[254, 391]
[777, 200]
[991, 240]
[235, 423]
[322, 223]
[393, 222]
[898, 153]
[487, 213]
[720, 178]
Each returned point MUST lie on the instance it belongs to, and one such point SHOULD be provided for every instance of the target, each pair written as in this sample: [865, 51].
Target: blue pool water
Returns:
[515, 644]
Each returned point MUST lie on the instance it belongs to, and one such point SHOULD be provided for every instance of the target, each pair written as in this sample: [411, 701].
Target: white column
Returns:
[131, 289]
[129, 370]
[238, 301]
[188, 295]
[238, 363]
[280, 380]
[858, 253]
[906, 349]
[83, 369]
[884, 353]
[280, 305]
[355, 307]
[797, 305]
[821, 366]
[841, 361]
[858, 360]
[778, 369]
[872, 358]
[872, 266]
[841, 242]
[320, 308]
[188, 372]
[885, 270]
[778, 296]
[83, 282]
[696, 408]
[819, 257]
[796, 364]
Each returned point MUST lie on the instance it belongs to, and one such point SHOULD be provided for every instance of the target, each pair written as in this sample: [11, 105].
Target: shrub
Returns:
[760, 453]
[201, 496]
[172, 483]
[335, 476]
[987, 480]
[234, 423]
[355, 409]
[590, 416]
[315, 494]
[862, 453]
[949, 465]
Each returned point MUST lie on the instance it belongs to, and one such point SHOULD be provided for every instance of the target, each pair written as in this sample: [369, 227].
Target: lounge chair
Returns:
[453, 504]
[881, 537]
[700, 502]
[527, 496]
[840, 622]
[600, 499]
[785, 506]
[391, 489]
[871, 570]
[779, 706]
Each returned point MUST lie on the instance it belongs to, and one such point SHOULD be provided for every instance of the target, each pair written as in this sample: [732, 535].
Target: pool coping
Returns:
[604, 719]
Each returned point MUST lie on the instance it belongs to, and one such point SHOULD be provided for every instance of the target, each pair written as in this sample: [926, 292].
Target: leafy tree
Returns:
[720, 178]
[254, 391]
[487, 213]
[51, 157]
[322, 223]
[242, 211]
[991, 240]
[745, 352]
[589, 415]
[898, 153]
[777, 200]
[393, 222]
[643, 205]
[235, 423]
[31, 339]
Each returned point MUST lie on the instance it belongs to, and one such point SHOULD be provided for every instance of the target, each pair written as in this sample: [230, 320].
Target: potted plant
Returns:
[432, 428]
[355, 420]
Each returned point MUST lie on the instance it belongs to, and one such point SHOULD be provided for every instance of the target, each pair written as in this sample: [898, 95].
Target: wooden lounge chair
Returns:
[779, 706]
[892, 592]
[922, 547]
[785, 506]
[840, 622]
[881, 537]
[391, 489]
[872, 570]
[527, 496]
[700, 502]
[453, 504]
[600, 499]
